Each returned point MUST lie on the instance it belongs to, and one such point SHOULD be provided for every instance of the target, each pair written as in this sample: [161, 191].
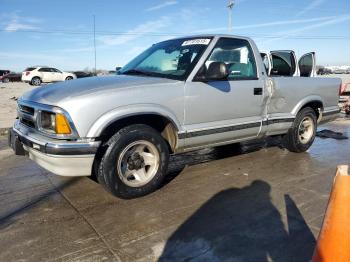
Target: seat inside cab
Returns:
[238, 58]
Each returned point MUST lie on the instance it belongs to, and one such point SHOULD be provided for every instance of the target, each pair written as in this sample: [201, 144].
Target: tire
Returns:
[69, 78]
[135, 162]
[302, 134]
[6, 80]
[36, 81]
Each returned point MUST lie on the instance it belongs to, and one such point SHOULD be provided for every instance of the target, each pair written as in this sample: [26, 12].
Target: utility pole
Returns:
[230, 5]
[94, 43]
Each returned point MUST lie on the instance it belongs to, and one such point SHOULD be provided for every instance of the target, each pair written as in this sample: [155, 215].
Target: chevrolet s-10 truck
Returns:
[179, 95]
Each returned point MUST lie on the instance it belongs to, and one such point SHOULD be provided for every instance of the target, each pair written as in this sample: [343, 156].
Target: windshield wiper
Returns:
[145, 73]
[137, 72]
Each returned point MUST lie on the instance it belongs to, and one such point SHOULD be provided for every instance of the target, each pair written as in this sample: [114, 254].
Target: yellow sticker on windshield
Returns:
[196, 42]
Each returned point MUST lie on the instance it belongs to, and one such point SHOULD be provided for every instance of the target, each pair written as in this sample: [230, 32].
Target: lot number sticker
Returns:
[196, 42]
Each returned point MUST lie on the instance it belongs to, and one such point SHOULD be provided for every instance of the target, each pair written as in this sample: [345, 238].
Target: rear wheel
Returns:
[36, 81]
[302, 134]
[69, 78]
[135, 162]
[6, 80]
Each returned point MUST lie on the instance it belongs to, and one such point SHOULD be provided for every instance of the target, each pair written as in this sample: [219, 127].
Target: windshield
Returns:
[173, 59]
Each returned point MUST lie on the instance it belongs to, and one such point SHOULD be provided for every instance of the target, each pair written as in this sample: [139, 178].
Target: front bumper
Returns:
[65, 158]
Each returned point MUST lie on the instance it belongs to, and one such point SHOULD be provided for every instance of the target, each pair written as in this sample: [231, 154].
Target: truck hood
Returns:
[57, 93]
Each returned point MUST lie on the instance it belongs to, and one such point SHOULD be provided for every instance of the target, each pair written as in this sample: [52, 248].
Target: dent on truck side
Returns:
[290, 94]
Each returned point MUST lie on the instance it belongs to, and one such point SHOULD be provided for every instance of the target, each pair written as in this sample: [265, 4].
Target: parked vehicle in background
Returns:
[324, 71]
[82, 74]
[179, 95]
[4, 72]
[339, 71]
[37, 75]
[11, 77]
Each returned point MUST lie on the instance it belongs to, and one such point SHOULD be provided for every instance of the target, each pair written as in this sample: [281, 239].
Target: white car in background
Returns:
[37, 75]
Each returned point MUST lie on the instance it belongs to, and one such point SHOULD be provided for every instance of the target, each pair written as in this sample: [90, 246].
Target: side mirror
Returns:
[217, 71]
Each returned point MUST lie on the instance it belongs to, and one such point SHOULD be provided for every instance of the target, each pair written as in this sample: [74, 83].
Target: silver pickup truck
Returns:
[179, 95]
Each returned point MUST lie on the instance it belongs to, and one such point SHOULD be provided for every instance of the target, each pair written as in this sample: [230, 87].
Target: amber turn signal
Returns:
[62, 126]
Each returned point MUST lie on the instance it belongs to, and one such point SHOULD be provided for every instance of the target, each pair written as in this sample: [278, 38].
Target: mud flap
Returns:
[15, 143]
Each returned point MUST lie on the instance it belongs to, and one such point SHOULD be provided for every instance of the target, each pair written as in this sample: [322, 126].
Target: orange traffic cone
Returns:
[333, 242]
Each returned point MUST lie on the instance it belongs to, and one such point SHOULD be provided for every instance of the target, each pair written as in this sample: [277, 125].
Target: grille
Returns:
[26, 109]
[27, 122]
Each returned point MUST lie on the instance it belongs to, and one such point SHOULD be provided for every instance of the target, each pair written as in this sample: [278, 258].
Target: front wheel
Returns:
[6, 80]
[135, 162]
[302, 134]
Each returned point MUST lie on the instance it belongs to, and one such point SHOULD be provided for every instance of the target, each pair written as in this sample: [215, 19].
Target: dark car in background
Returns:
[10, 77]
[82, 74]
[4, 72]
[324, 71]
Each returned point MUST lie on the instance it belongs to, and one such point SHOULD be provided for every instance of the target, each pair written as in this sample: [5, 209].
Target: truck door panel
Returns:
[218, 111]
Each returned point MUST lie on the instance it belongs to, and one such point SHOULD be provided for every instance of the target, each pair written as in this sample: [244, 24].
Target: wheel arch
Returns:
[165, 125]
[314, 102]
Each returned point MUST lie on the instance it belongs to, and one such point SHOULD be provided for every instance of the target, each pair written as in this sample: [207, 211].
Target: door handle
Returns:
[258, 91]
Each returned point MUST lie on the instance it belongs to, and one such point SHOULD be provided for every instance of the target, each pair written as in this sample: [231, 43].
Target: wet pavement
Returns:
[254, 202]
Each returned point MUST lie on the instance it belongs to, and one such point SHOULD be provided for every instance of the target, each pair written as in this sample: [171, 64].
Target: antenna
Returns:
[230, 5]
[95, 43]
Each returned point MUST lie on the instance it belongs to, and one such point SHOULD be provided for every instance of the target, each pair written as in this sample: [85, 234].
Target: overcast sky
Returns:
[59, 33]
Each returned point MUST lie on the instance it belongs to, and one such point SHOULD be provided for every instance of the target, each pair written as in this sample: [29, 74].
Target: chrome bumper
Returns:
[65, 158]
[58, 147]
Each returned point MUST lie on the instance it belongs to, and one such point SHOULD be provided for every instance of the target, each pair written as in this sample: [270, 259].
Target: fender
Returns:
[304, 101]
[131, 110]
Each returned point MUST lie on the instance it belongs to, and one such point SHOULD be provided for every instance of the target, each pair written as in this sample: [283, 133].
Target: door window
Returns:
[306, 64]
[283, 63]
[238, 57]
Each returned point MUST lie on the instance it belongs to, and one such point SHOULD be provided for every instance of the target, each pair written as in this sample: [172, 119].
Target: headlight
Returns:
[48, 121]
[55, 123]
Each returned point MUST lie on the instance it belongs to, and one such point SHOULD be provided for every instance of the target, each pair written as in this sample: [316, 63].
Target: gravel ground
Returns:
[8, 94]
